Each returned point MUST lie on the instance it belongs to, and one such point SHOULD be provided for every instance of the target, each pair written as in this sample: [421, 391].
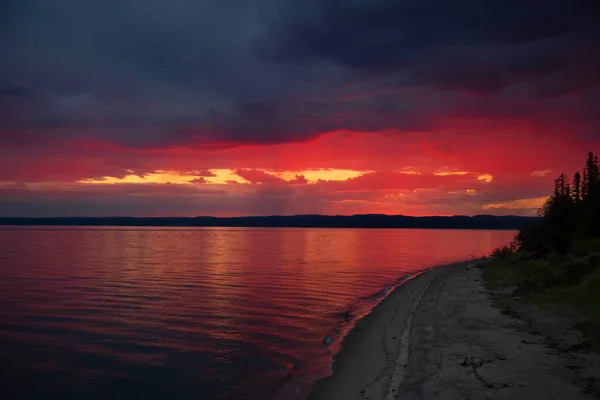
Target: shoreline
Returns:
[300, 387]
[413, 288]
[441, 336]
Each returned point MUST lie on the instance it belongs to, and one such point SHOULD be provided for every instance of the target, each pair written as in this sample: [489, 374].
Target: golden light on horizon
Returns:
[357, 201]
[220, 176]
[532, 203]
[158, 176]
[487, 178]
[223, 176]
[315, 175]
[409, 171]
[448, 173]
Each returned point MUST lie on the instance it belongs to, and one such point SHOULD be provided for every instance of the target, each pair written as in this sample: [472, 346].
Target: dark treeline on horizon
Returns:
[294, 221]
[570, 216]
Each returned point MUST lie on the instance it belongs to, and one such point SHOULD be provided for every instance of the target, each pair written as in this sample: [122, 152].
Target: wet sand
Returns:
[439, 337]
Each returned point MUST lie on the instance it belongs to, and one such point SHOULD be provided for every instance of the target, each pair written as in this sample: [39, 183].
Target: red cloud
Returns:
[256, 176]
[299, 179]
[507, 154]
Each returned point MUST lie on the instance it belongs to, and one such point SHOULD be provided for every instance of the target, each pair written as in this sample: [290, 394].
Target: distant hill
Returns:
[298, 221]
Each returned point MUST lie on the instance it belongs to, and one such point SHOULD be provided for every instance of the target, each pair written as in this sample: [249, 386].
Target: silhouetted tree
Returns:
[570, 214]
[576, 188]
[592, 178]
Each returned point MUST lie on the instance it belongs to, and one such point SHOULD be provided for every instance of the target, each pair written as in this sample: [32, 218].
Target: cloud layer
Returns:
[137, 87]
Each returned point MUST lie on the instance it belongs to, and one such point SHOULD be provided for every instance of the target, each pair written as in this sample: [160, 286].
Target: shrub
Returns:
[506, 250]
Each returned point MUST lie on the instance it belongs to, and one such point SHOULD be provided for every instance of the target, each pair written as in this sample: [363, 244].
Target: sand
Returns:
[439, 336]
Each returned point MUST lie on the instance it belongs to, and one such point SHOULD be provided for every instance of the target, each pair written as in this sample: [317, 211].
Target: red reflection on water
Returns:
[253, 301]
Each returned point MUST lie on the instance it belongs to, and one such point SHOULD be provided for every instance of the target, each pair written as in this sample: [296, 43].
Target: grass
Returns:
[586, 246]
[556, 282]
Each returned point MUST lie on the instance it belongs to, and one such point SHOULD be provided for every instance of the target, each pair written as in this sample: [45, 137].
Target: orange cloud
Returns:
[487, 178]
[533, 203]
[448, 173]
[413, 173]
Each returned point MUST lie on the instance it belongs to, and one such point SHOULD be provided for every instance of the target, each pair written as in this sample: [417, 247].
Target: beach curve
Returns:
[439, 336]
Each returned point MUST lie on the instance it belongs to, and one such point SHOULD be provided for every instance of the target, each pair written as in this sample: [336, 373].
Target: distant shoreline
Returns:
[296, 221]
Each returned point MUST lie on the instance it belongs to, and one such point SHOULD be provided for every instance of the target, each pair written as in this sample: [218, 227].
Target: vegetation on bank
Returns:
[556, 262]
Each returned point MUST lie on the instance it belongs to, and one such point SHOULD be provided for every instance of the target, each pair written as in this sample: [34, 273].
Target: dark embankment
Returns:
[566, 287]
[294, 221]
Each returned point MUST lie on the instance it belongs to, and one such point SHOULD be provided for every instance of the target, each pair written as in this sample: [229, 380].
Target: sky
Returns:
[262, 107]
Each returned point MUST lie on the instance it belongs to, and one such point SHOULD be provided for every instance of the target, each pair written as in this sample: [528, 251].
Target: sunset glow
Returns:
[316, 175]
[534, 203]
[162, 177]
[226, 176]
[295, 111]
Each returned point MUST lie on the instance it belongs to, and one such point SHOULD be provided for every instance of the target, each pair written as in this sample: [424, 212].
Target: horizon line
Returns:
[273, 216]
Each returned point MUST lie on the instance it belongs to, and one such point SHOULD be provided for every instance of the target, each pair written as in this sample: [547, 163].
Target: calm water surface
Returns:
[217, 313]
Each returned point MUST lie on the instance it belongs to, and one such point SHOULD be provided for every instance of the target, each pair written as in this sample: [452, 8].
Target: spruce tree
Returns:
[593, 206]
[596, 178]
[570, 215]
[576, 188]
[592, 176]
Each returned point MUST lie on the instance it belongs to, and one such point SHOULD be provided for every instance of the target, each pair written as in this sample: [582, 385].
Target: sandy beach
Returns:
[439, 336]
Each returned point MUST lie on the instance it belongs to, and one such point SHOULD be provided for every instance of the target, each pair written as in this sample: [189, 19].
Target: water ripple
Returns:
[195, 313]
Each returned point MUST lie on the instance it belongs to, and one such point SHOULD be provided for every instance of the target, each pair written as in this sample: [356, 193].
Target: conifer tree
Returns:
[576, 188]
[596, 179]
[570, 215]
[592, 177]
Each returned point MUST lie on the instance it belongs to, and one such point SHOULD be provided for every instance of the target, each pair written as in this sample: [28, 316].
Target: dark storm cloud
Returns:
[134, 71]
[216, 73]
[464, 44]
[15, 92]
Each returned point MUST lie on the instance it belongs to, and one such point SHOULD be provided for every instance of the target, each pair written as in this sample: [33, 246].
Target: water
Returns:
[218, 313]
